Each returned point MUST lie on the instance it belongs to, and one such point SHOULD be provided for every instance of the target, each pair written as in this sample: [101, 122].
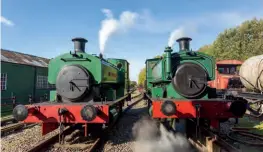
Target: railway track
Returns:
[211, 142]
[15, 127]
[46, 142]
[90, 146]
[4, 120]
[238, 134]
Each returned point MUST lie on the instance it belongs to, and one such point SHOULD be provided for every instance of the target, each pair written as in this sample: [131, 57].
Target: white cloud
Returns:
[151, 24]
[6, 21]
[107, 13]
[191, 26]
[127, 19]
[226, 19]
[148, 23]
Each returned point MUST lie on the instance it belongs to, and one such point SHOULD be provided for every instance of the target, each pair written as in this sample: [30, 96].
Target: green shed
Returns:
[22, 75]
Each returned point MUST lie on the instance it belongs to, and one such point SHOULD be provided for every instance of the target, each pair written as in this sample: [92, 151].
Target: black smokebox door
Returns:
[190, 80]
[72, 82]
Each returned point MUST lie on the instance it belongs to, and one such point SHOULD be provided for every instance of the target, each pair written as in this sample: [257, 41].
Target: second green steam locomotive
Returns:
[180, 75]
[177, 89]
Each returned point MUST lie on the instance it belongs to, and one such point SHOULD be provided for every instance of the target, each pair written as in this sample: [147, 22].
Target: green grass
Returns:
[6, 110]
[259, 128]
[257, 125]
[4, 114]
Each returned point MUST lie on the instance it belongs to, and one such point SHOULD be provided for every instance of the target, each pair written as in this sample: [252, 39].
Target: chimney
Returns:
[100, 56]
[184, 43]
[79, 44]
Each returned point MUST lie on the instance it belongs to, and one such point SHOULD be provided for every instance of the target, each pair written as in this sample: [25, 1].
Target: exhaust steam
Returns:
[110, 25]
[177, 33]
[150, 138]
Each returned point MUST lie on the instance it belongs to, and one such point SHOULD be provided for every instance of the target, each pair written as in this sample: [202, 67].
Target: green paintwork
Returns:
[123, 73]
[157, 76]
[90, 62]
[52, 96]
[109, 73]
[21, 82]
[111, 94]
[105, 73]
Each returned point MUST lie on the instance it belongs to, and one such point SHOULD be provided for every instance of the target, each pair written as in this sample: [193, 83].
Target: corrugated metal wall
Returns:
[21, 82]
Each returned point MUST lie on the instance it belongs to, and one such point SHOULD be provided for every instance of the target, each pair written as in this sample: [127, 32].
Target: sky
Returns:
[134, 30]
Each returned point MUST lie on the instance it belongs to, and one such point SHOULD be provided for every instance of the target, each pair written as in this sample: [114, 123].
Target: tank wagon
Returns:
[251, 76]
[251, 73]
[177, 87]
[90, 90]
[247, 83]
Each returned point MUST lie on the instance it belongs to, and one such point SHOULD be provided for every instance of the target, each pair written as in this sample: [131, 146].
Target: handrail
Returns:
[14, 102]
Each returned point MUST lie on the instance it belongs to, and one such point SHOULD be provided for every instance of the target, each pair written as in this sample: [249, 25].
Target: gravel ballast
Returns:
[120, 138]
[23, 140]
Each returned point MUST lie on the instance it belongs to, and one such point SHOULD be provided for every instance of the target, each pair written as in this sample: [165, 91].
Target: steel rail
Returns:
[7, 119]
[102, 139]
[244, 131]
[12, 127]
[46, 142]
[15, 126]
[213, 143]
[95, 144]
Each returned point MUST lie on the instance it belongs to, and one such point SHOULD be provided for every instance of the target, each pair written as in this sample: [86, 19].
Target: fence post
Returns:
[45, 96]
[30, 99]
[14, 101]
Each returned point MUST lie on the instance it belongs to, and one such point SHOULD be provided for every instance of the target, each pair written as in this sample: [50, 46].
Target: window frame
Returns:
[42, 83]
[5, 81]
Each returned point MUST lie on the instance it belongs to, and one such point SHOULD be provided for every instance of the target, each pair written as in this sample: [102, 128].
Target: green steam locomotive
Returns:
[177, 89]
[89, 90]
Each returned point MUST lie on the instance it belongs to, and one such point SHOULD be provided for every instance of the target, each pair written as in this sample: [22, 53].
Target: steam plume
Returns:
[110, 25]
[6, 21]
[149, 138]
[177, 33]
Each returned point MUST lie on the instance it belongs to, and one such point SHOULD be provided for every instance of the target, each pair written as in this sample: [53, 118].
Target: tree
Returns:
[142, 76]
[207, 49]
[133, 84]
[238, 43]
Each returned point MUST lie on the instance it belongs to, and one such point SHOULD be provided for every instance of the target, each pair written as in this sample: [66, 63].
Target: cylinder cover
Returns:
[73, 82]
[190, 80]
